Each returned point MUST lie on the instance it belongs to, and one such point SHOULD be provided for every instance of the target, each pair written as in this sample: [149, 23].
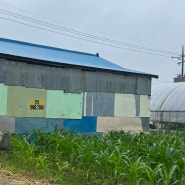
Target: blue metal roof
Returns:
[51, 54]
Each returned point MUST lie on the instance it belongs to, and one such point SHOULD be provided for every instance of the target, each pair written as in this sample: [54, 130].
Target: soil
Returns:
[11, 178]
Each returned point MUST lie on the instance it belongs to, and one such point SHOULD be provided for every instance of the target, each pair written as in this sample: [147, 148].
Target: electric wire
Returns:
[109, 42]
[81, 27]
[83, 34]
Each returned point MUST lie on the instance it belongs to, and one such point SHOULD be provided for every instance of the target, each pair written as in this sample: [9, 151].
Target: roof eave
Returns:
[57, 64]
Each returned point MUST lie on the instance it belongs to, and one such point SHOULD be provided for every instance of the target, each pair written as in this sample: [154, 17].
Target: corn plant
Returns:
[111, 159]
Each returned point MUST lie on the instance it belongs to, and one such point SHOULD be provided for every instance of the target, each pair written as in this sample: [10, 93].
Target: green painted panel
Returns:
[26, 102]
[64, 105]
[125, 105]
[3, 99]
[144, 106]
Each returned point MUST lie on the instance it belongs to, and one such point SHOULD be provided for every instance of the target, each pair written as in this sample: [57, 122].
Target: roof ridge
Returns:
[47, 47]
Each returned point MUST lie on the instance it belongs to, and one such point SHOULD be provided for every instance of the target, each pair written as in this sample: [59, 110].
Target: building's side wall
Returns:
[50, 98]
[15, 73]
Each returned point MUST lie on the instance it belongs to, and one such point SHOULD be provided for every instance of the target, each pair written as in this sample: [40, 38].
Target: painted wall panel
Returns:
[26, 102]
[104, 104]
[144, 106]
[27, 125]
[137, 100]
[84, 109]
[7, 124]
[3, 99]
[99, 104]
[89, 103]
[54, 78]
[125, 105]
[15, 73]
[86, 124]
[64, 105]
[105, 124]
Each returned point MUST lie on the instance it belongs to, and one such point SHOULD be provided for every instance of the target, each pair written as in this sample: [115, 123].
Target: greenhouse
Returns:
[168, 104]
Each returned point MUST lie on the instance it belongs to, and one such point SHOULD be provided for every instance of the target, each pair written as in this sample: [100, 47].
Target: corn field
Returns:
[117, 158]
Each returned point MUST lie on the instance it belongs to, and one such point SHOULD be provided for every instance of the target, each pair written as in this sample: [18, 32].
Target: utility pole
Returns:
[180, 77]
[182, 57]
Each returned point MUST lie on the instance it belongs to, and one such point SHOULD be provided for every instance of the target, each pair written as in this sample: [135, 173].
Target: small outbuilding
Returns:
[50, 88]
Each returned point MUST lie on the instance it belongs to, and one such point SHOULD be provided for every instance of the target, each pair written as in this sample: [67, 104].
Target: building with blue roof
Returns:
[49, 88]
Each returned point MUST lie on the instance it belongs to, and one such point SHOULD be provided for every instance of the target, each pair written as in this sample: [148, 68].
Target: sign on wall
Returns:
[37, 104]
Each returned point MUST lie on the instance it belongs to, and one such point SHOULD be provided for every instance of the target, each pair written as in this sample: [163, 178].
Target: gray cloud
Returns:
[156, 24]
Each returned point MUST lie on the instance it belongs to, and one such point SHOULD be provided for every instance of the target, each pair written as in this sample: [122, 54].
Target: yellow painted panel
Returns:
[26, 102]
[144, 106]
[125, 105]
[105, 124]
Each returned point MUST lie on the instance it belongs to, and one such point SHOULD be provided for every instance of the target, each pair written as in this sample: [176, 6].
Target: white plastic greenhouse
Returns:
[168, 103]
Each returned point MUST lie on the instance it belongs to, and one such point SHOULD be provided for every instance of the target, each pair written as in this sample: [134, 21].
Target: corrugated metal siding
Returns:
[143, 85]
[125, 105]
[24, 125]
[70, 80]
[137, 100]
[130, 85]
[144, 106]
[54, 78]
[117, 83]
[103, 82]
[99, 104]
[15, 73]
[60, 56]
[36, 76]
[58, 104]
[2, 70]
[89, 82]
[86, 124]
[64, 105]
[105, 124]
[28, 125]
[18, 101]
[3, 99]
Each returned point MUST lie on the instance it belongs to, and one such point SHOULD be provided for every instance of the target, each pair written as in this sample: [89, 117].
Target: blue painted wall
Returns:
[86, 124]
[27, 125]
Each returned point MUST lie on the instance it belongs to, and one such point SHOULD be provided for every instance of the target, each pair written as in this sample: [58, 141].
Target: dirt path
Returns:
[9, 178]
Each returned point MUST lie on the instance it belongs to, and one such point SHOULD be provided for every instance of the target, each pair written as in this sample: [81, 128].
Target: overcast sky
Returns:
[156, 24]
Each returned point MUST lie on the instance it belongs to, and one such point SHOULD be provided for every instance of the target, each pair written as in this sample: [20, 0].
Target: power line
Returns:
[81, 27]
[85, 34]
[74, 32]
[83, 38]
